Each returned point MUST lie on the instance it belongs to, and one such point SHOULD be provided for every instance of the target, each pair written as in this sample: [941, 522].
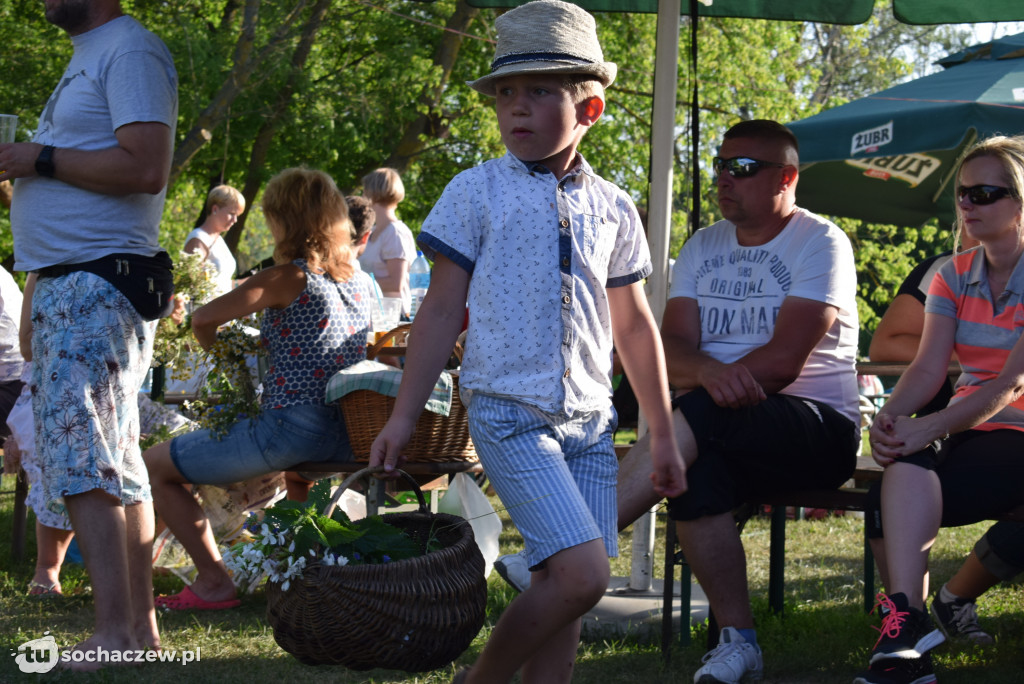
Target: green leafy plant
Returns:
[292, 535]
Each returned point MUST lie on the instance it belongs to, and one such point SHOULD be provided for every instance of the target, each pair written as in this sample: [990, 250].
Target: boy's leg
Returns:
[539, 631]
[556, 478]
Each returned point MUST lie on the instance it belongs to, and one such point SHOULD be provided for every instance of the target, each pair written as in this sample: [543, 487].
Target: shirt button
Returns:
[565, 261]
[566, 374]
[564, 223]
[565, 299]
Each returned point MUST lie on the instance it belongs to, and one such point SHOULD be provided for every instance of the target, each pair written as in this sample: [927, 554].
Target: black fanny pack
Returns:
[147, 282]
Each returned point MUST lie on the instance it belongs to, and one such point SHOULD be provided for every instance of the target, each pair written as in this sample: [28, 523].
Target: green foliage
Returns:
[366, 541]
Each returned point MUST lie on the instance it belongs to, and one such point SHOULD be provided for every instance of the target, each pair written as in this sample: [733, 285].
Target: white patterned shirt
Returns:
[540, 253]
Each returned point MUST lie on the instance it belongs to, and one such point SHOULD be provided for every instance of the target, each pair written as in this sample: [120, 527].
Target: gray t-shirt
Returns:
[120, 74]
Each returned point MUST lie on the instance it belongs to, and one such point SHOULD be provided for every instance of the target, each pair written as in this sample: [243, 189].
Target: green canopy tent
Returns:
[891, 157]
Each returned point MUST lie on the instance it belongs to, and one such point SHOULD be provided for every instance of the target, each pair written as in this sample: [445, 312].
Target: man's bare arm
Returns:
[800, 325]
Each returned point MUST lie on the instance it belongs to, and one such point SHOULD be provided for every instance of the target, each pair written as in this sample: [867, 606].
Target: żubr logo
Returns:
[910, 168]
[42, 655]
[871, 139]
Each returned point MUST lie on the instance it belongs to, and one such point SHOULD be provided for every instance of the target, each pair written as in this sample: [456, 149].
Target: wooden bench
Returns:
[850, 497]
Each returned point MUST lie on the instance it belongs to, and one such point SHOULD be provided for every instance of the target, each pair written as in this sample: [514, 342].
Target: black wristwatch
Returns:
[44, 162]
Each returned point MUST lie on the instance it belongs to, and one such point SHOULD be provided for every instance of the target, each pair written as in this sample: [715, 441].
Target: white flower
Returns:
[291, 547]
[284, 587]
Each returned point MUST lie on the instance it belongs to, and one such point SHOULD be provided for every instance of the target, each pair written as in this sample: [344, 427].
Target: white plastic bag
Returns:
[465, 499]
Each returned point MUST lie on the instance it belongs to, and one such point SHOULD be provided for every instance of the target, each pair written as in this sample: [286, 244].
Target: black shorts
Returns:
[9, 393]
[783, 444]
[981, 473]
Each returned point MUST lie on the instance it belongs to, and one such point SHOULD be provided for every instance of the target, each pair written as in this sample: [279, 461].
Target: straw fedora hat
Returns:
[547, 36]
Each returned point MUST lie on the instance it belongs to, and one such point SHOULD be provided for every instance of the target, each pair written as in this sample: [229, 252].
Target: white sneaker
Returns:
[731, 662]
[514, 570]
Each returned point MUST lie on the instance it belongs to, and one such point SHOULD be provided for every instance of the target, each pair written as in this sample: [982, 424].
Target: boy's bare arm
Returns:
[639, 347]
[438, 322]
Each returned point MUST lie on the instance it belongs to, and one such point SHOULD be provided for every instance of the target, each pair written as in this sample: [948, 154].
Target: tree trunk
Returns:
[261, 145]
[431, 125]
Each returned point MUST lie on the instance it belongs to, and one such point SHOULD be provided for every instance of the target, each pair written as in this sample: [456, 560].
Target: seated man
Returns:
[760, 336]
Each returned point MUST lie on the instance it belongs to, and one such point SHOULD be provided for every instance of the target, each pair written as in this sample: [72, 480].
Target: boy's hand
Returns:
[668, 472]
[387, 448]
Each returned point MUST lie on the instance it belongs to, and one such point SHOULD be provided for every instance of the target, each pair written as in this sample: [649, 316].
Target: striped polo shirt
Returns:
[986, 329]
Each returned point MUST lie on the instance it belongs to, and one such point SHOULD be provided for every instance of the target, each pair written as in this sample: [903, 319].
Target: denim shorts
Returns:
[555, 476]
[277, 439]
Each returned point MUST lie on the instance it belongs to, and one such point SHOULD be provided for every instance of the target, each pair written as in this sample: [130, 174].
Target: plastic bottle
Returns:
[419, 281]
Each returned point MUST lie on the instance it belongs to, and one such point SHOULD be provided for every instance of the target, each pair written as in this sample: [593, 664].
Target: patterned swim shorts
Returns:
[91, 351]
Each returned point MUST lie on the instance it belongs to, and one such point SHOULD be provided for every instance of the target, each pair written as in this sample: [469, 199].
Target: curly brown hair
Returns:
[309, 218]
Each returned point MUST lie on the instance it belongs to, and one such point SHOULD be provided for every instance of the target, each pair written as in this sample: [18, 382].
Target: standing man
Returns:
[87, 204]
[760, 336]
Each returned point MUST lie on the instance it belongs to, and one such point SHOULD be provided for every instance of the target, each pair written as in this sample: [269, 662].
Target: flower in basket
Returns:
[292, 535]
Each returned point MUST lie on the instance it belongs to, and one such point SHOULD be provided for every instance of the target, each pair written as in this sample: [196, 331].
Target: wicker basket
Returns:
[414, 615]
[437, 438]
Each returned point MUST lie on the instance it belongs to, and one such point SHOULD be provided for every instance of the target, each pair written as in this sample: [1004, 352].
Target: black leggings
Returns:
[981, 473]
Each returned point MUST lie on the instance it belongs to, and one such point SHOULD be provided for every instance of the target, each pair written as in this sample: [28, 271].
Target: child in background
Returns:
[552, 258]
[315, 322]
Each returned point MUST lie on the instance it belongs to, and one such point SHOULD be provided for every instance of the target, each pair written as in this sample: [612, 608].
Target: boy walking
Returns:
[552, 258]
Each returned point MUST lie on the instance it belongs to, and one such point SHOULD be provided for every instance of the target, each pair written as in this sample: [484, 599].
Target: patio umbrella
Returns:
[891, 157]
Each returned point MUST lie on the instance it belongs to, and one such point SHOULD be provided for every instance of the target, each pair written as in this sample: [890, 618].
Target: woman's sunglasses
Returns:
[741, 167]
[983, 194]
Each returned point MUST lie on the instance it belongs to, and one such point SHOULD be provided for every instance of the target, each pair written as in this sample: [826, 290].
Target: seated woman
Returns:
[962, 464]
[315, 321]
[999, 553]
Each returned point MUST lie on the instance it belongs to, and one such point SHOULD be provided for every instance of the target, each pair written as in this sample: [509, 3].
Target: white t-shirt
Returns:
[741, 289]
[220, 258]
[119, 74]
[393, 241]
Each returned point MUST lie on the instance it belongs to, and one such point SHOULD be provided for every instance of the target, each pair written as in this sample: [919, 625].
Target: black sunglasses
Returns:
[741, 167]
[983, 194]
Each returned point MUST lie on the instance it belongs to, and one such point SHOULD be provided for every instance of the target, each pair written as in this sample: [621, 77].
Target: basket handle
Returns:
[367, 472]
[374, 349]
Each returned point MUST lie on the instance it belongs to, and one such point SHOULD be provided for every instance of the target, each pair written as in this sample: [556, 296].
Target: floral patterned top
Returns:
[318, 334]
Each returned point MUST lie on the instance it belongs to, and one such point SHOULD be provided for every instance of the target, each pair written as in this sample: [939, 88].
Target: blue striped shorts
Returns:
[555, 476]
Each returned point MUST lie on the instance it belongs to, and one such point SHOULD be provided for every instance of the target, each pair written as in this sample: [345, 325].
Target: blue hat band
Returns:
[537, 57]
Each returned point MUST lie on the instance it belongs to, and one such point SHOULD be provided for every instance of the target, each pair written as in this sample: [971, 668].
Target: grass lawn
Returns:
[824, 637]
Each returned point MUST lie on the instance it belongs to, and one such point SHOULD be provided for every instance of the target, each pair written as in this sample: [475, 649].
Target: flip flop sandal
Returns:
[44, 590]
[189, 600]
